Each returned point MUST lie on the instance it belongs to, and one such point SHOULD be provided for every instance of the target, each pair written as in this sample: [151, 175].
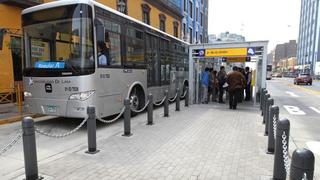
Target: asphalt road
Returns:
[301, 105]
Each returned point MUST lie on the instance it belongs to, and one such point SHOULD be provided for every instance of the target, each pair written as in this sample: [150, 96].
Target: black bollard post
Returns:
[178, 100]
[264, 92]
[150, 110]
[186, 98]
[282, 140]
[127, 116]
[92, 130]
[29, 149]
[166, 104]
[302, 164]
[270, 103]
[266, 97]
[261, 95]
[273, 119]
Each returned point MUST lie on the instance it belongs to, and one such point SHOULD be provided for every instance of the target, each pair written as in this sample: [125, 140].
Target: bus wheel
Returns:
[136, 98]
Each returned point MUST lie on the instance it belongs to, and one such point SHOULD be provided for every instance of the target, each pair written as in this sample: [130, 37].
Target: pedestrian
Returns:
[221, 81]
[204, 85]
[241, 97]
[236, 82]
[210, 86]
[215, 86]
[248, 76]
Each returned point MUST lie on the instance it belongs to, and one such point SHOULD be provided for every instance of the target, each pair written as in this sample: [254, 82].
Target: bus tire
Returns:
[137, 99]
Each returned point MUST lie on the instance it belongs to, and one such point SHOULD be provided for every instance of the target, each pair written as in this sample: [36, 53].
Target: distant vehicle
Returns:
[277, 75]
[303, 79]
[269, 72]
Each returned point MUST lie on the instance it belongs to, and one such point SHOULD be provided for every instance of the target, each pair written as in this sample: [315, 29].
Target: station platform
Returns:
[207, 141]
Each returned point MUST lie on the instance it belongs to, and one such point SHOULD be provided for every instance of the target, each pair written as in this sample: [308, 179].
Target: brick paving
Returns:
[200, 142]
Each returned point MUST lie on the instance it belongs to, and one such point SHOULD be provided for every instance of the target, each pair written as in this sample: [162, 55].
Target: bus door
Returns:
[152, 59]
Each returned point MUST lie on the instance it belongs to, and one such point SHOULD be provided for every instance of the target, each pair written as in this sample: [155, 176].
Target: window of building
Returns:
[190, 9]
[196, 36]
[122, 6]
[146, 13]
[185, 5]
[175, 29]
[184, 30]
[190, 35]
[162, 23]
[200, 38]
[201, 19]
[197, 12]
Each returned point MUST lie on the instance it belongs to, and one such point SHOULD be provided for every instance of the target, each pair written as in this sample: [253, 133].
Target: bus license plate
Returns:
[52, 109]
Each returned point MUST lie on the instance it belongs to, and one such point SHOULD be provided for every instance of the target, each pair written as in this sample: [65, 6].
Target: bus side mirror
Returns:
[2, 32]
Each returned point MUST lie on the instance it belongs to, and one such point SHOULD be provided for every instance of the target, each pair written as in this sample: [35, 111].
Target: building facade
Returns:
[308, 53]
[195, 20]
[226, 37]
[284, 51]
[165, 15]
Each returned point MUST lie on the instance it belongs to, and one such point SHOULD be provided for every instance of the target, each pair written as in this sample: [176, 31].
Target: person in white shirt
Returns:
[103, 54]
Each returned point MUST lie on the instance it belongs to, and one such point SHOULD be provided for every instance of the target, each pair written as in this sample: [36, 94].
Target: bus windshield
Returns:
[59, 40]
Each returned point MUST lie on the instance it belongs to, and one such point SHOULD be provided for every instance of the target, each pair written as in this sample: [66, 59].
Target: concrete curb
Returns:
[16, 118]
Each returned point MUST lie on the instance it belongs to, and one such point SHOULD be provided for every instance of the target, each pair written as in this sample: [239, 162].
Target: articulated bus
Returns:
[62, 73]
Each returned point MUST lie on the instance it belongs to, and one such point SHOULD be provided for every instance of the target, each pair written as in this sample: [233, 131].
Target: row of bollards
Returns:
[278, 131]
[29, 139]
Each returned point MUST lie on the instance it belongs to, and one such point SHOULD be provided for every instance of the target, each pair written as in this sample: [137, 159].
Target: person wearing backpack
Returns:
[222, 75]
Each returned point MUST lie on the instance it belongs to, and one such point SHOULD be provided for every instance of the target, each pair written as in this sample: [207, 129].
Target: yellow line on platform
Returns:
[311, 91]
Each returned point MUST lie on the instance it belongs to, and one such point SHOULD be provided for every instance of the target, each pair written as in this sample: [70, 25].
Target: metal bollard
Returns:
[263, 93]
[186, 98]
[166, 104]
[150, 110]
[178, 100]
[273, 118]
[29, 149]
[270, 103]
[262, 101]
[92, 130]
[266, 97]
[127, 116]
[302, 164]
[283, 130]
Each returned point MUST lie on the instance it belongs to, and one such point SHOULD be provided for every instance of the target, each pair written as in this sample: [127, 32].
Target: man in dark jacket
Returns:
[221, 80]
[236, 82]
[248, 77]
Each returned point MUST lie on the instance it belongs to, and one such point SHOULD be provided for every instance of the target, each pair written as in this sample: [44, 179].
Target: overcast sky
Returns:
[273, 20]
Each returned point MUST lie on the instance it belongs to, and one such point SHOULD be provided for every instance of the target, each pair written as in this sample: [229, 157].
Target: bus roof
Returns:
[91, 3]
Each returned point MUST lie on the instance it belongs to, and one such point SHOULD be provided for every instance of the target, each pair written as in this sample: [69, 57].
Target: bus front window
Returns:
[59, 44]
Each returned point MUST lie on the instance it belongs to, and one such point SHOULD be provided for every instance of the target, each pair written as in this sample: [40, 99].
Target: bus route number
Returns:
[71, 89]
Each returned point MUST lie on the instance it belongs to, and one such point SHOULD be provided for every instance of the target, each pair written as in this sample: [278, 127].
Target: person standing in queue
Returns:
[204, 85]
[221, 80]
[210, 86]
[236, 82]
[248, 76]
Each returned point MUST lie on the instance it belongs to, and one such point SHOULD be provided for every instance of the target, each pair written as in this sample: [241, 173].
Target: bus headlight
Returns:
[27, 94]
[81, 96]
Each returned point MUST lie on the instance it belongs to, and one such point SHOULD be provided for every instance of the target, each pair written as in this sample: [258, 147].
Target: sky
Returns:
[273, 20]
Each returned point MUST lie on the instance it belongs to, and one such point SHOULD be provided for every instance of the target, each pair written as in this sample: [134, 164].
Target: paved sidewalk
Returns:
[200, 142]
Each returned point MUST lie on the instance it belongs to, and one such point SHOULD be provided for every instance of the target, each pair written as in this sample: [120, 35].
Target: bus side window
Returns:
[108, 44]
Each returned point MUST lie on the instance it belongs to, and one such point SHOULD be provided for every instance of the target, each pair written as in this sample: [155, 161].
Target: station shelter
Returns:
[241, 54]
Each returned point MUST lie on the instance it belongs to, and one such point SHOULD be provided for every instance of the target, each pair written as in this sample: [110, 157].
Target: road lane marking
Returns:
[292, 94]
[314, 146]
[315, 109]
[311, 91]
[294, 110]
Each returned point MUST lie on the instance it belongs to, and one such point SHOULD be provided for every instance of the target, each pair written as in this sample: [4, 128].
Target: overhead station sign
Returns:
[227, 52]
[236, 59]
